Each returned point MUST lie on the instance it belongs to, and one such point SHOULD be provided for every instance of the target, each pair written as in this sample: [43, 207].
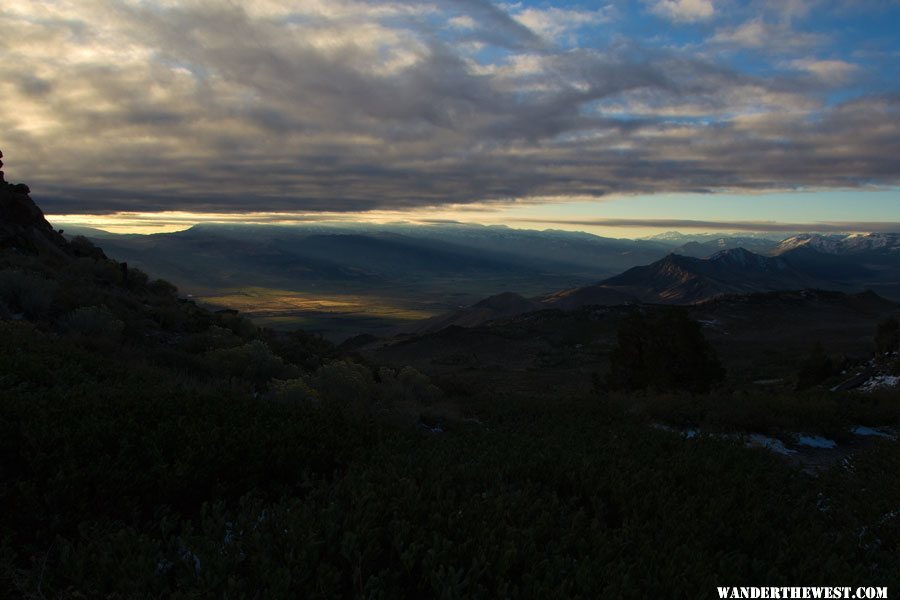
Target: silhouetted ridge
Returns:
[506, 302]
[678, 279]
[24, 228]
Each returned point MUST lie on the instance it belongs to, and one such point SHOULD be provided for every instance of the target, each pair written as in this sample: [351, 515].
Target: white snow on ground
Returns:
[796, 441]
[815, 441]
[880, 382]
[870, 431]
[686, 433]
[757, 440]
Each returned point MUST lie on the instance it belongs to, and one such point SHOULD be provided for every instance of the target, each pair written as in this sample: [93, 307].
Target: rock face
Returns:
[24, 228]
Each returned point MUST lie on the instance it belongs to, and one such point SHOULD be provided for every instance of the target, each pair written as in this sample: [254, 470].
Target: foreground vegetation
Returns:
[125, 477]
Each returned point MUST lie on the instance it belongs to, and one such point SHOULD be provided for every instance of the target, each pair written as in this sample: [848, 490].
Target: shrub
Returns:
[27, 293]
[212, 338]
[236, 323]
[253, 361]
[293, 391]
[93, 322]
[408, 386]
[84, 247]
[161, 287]
[306, 350]
[347, 385]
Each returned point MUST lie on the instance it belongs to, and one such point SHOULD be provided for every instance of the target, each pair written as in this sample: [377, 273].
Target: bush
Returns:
[293, 391]
[253, 361]
[161, 287]
[93, 322]
[212, 338]
[306, 350]
[27, 293]
[346, 385]
[408, 386]
[235, 322]
[84, 247]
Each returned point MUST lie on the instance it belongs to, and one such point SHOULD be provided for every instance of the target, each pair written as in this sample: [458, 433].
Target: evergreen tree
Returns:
[666, 352]
[887, 337]
[815, 368]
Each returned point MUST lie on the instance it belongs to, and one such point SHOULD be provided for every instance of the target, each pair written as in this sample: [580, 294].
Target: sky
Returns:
[621, 118]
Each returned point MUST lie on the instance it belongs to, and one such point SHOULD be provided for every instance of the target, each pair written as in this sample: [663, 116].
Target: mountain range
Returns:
[452, 274]
[851, 264]
[333, 256]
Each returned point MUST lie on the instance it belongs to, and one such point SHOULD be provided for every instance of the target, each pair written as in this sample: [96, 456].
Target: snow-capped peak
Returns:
[842, 244]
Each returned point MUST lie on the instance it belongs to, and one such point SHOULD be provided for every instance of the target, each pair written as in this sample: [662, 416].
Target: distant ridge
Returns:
[592, 295]
[734, 273]
[680, 279]
[506, 304]
[858, 243]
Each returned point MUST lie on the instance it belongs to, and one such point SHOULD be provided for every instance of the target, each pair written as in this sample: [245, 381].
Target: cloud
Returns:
[830, 71]
[557, 23]
[759, 34]
[684, 10]
[790, 10]
[361, 105]
[498, 25]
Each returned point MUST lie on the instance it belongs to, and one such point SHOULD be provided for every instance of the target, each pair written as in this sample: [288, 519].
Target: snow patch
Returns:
[685, 433]
[862, 430]
[815, 441]
[880, 382]
[757, 440]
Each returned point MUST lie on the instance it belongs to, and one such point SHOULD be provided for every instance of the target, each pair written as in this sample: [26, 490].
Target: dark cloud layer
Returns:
[344, 105]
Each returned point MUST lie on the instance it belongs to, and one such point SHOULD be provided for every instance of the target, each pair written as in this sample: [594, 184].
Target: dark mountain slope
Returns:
[687, 280]
[707, 248]
[499, 306]
[22, 224]
[485, 260]
[592, 295]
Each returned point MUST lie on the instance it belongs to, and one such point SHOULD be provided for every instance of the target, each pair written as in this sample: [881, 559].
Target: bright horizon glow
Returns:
[850, 211]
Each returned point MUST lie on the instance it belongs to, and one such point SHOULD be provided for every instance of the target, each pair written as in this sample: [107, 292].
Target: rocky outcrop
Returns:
[23, 227]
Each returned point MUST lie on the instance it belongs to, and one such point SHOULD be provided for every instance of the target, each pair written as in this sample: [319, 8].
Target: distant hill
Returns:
[853, 262]
[771, 329]
[506, 304]
[387, 271]
[707, 248]
[593, 295]
[687, 280]
[304, 256]
[404, 271]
